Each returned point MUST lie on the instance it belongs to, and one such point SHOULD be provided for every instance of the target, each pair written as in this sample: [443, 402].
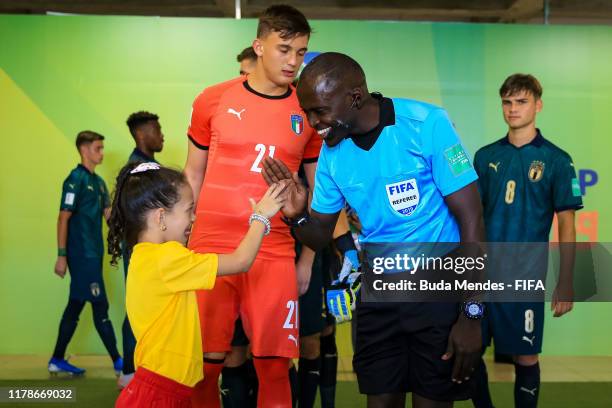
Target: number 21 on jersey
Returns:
[292, 315]
[261, 148]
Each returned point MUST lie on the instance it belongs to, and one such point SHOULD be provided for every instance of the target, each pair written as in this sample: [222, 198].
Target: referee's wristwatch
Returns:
[298, 221]
[473, 310]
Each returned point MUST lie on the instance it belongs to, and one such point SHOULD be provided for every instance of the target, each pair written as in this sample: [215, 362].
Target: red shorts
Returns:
[148, 389]
[267, 301]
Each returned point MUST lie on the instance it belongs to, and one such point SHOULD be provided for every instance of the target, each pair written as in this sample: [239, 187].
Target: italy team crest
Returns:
[403, 196]
[536, 171]
[95, 289]
[297, 124]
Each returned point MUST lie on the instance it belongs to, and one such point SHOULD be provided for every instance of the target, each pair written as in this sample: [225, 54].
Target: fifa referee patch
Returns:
[457, 159]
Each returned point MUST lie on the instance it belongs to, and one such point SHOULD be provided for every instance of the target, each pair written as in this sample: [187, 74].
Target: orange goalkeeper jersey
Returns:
[240, 127]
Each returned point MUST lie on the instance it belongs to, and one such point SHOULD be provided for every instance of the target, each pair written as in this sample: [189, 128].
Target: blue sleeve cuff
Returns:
[325, 209]
[460, 182]
[569, 207]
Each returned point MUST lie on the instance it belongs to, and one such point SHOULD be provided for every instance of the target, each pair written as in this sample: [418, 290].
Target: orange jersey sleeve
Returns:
[202, 110]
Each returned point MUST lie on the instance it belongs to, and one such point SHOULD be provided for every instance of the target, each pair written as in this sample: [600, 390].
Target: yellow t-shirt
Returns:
[162, 308]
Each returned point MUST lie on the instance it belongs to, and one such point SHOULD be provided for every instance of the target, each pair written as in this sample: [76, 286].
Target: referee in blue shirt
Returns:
[400, 164]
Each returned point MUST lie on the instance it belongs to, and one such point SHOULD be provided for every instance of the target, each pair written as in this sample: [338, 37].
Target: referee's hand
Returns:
[274, 171]
[465, 345]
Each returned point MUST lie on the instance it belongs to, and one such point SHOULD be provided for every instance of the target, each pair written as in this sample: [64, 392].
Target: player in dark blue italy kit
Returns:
[85, 202]
[524, 180]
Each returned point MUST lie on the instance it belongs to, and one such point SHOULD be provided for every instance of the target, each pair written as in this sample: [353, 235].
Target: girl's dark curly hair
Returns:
[135, 194]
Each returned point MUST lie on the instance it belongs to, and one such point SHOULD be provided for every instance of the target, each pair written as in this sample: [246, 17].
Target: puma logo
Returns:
[529, 340]
[528, 391]
[293, 339]
[70, 185]
[234, 112]
[494, 166]
[90, 188]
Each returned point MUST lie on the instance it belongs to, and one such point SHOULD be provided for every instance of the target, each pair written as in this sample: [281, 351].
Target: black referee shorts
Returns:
[399, 348]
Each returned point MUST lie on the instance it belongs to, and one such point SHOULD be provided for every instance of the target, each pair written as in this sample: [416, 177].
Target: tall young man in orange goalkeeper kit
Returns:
[234, 126]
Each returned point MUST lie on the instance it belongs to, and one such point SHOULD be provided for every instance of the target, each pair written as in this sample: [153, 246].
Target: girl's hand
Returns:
[273, 199]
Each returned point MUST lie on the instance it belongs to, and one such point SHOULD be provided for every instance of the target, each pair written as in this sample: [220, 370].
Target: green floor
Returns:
[94, 393]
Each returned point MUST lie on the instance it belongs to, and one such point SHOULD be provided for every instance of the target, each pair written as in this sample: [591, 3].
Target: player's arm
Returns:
[563, 294]
[195, 168]
[566, 200]
[62, 238]
[107, 204]
[199, 135]
[465, 341]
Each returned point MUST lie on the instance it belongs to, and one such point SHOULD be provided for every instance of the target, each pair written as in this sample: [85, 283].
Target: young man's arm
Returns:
[62, 239]
[563, 294]
[107, 204]
[566, 200]
[195, 168]
[199, 135]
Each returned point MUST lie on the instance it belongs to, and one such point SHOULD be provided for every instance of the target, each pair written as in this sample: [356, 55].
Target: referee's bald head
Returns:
[330, 72]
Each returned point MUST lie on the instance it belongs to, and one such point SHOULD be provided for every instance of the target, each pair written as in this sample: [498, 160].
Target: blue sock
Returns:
[527, 385]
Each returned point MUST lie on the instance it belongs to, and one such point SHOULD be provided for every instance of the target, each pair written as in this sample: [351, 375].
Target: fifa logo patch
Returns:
[536, 171]
[403, 196]
[297, 124]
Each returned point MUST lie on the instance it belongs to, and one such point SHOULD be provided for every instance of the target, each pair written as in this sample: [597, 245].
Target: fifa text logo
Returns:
[400, 188]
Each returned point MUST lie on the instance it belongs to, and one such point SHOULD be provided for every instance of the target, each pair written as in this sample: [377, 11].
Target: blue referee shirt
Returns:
[398, 184]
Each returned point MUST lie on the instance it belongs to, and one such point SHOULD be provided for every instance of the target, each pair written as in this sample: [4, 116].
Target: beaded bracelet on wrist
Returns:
[265, 221]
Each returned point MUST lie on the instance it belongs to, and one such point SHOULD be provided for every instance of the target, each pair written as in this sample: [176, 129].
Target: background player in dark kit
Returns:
[85, 202]
[524, 181]
[149, 139]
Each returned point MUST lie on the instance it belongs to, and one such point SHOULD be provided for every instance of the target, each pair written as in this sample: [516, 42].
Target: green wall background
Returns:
[60, 75]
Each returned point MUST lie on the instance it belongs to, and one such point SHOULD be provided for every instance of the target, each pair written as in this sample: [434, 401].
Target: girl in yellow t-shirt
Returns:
[152, 212]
